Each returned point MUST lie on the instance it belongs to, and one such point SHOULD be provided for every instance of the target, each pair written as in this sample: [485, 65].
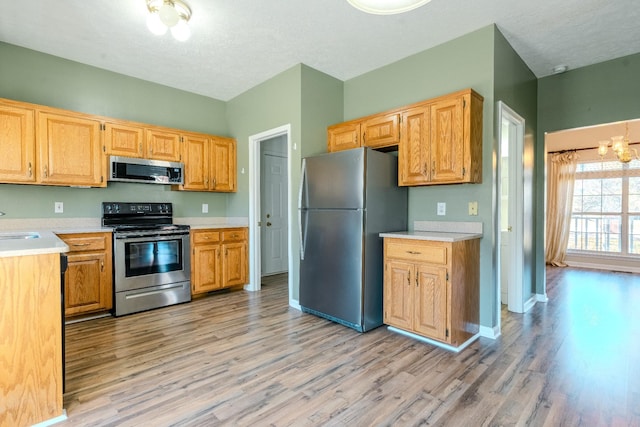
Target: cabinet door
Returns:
[381, 131]
[17, 144]
[413, 153]
[85, 283]
[234, 270]
[70, 150]
[223, 164]
[195, 153]
[123, 140]
[398, 294]
[430, 302]
[205, 272]
[343, 136]
[447, 141]
[162, 145]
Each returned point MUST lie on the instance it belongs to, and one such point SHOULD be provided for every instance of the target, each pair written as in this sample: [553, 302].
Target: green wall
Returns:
[516, 85]
[27, 75]
[302, 97]
[466, 62]
[601, 93]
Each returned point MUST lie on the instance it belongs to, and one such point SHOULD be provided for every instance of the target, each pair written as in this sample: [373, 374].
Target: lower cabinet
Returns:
[219, 259]
[431, 288]
[88, 284]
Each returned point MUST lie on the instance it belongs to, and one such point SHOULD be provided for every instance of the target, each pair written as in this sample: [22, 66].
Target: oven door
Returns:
[141, 262]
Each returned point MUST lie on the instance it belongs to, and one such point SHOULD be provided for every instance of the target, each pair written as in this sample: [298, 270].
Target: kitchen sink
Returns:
[19, 236]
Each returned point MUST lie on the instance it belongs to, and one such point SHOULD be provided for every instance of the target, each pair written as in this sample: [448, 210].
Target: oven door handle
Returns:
[150, 238]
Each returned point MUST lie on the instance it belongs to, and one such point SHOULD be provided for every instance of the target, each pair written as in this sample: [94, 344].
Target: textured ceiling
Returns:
[237, 44]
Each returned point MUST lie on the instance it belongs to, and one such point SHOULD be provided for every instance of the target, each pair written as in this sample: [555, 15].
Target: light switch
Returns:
[205, 208]
[58, 207]
[473, 208]
[442, 208]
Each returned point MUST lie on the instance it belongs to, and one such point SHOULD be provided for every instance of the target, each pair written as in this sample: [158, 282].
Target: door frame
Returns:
[255, 263]
[516, 301]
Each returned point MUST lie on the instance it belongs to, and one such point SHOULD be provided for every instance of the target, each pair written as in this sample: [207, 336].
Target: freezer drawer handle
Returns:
[414, 252]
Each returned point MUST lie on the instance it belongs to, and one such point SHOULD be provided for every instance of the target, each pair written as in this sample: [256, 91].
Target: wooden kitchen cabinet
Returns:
[441, 142]
[88, 284]
[70, 150]
[124, 139]
[343, 136]
[431, 288]
[209, 163]
[162, 144]
[219, 259]
[17, 144]
[381, 130]
[378, 131]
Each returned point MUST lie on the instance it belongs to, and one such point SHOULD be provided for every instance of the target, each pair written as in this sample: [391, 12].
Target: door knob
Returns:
[268, 224]
[509, 228]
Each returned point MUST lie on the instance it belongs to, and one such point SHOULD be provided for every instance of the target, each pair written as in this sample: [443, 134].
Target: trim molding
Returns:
[433, 342]
[490, 332]
[542, 297]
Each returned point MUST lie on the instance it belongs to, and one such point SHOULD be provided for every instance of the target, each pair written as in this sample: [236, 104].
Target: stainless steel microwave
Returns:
[130, 169]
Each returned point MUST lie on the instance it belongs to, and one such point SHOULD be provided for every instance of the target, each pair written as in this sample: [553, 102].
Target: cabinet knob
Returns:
[46, 171]
[30, 171]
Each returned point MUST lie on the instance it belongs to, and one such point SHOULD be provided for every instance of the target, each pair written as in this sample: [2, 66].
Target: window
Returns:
[606, 208]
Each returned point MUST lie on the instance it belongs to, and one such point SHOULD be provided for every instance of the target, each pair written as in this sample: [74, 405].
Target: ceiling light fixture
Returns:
[387, 7]
[620, 146]
[173, 14]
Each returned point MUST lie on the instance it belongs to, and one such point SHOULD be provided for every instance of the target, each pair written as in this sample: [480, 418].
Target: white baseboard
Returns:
[490, 332]
[294, 303]
[528, 304]
[434, 342]
[53, 421]
[542, 297]
[603, 266]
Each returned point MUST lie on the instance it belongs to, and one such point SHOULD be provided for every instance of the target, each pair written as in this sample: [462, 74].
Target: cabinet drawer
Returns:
[433, 254]
[85, 243]
[206, 236]
[234, 235]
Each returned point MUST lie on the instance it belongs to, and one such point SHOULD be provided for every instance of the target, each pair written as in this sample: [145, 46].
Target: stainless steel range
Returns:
[151, 256]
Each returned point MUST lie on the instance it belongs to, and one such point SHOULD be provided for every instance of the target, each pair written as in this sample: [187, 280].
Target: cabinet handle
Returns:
[30, 171]
[206, 182]
[46, 171]
[417, 281]
[433, 168]
[78, 245]
[101, 265]
[414, 252]
[214, 183]
[140, 147]
[408, 277]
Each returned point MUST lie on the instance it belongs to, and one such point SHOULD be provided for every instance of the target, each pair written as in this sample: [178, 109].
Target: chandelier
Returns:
[165, 14]
[620, 146]
[387, 7]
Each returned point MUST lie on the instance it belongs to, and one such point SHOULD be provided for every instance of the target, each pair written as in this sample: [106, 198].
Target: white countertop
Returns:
[439, 236]
[47, 243]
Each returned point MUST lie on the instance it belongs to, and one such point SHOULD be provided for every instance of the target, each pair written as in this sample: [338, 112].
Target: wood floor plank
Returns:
[239, 358]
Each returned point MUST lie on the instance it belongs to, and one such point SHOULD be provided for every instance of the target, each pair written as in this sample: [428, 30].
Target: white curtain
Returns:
[560, 179]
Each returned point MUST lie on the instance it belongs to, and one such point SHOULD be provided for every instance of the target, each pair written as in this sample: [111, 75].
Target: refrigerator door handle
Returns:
[300, 213]
[303, 182]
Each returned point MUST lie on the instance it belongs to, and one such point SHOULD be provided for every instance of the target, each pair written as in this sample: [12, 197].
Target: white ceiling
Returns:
[237, 44]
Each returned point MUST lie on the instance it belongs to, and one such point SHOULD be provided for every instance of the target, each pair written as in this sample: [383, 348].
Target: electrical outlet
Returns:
[473, 208]
[58, 207]
[442, 208]
[205, 208]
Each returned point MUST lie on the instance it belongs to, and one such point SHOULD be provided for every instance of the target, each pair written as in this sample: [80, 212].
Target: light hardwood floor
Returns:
[247, 359]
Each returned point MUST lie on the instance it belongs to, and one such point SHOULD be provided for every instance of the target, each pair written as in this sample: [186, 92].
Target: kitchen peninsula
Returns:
[30, 328]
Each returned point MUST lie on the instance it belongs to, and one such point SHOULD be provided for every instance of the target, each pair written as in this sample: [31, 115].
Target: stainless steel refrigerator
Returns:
[346, 199]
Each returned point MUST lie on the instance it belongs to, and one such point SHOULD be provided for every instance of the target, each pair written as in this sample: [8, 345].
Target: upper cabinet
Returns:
[377, 131]
[70, 150]
[162, 144]
[17, 144]
[121, 139]
[50, 146]
[209, 163]
[439, 141]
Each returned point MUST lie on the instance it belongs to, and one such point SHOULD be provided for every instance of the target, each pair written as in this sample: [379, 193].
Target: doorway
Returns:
[513, 284]
[273, 206]
[270, 151]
